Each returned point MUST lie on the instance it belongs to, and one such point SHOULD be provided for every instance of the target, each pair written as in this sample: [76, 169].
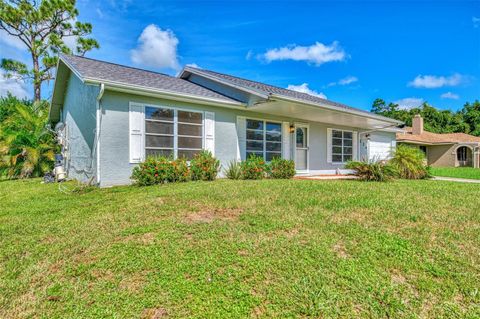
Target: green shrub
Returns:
[159, 170]
[204, 167]
[234, 170]
[179, 172]
[254, 167]
[27, 146]
[154, 170]
[410, 162]
[376, 171]
[281, 168]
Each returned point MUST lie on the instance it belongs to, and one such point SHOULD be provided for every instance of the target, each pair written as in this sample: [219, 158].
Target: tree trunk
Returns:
[37, 83]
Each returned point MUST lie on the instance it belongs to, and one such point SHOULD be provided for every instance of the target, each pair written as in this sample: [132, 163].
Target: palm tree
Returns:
[27, 146]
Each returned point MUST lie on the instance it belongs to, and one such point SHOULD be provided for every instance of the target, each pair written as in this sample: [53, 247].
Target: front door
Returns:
[301, 148]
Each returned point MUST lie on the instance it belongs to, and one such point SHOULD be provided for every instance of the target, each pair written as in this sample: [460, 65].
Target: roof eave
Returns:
[339, 109]
[142, 90]
[426, 143]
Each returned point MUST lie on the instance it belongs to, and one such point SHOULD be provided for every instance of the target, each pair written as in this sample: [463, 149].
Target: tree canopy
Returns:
[466, 120]
[43, 27]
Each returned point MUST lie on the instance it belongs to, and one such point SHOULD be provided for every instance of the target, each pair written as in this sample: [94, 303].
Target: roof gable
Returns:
[90, 69]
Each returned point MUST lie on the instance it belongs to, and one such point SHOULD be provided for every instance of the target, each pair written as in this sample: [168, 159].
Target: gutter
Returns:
[97, 129]
[338, 109]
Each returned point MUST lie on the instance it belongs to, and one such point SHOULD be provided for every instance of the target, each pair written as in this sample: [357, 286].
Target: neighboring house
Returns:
[111, 117]
[450, 149]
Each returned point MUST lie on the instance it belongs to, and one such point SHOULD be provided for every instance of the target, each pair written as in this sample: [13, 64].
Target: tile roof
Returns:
[267, 89]
[435, 138]
[100, 70]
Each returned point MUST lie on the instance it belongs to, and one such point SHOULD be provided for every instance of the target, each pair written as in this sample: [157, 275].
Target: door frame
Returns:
[294, 147]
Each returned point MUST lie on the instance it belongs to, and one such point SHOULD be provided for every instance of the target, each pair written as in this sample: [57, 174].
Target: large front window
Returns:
[264, 139]
[174, 133]
[342, 146]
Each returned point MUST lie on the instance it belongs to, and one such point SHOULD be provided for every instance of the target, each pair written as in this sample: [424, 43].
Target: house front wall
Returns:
[446, 155]
[441, 155]
[115, 166]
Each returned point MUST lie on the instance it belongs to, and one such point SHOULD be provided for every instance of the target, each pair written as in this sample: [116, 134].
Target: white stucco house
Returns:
[112, 117]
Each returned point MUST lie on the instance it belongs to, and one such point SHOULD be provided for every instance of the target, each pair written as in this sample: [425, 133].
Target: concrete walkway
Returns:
[455, 179]
[325, 177]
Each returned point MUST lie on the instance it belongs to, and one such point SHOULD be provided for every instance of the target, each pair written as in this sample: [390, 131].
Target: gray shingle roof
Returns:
[106, 71]
[267, 89]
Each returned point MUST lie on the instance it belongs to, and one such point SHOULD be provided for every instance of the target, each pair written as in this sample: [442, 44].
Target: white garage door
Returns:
[381, 146]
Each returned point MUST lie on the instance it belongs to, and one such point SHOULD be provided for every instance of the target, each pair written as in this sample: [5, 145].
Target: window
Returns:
[171, 132]
[342, 146]
[264, 139]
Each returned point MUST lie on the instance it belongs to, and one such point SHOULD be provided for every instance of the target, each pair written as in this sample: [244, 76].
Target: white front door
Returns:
[301, 147]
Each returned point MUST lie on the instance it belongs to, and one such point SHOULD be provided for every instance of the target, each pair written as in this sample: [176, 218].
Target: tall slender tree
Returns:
[43, 27]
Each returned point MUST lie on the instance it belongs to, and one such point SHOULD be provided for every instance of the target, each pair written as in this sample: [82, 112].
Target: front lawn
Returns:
[459, 172]
[272, 248]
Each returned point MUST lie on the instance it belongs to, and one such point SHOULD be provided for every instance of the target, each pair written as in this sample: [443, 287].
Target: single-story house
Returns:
[110, 117]
[449, 149]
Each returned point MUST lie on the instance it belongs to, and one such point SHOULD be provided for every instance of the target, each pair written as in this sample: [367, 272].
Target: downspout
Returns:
[97, 129]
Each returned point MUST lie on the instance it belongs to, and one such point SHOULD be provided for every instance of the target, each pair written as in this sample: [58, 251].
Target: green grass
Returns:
[291, 248]
[460, 172]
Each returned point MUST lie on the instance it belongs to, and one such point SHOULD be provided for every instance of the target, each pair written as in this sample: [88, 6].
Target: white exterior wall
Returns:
[116, 167]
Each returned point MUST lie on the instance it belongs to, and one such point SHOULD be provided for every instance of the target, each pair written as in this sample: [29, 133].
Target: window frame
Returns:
[342, 146]
[175, 134]
[264, 135]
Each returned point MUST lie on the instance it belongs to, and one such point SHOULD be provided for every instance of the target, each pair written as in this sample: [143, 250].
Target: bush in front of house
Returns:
[234, 170]
[204, 167]
[281, 168]
[254, 167]
[179, 171]
[375, 171]
[410, 163]
[159, 170]
[154, 170]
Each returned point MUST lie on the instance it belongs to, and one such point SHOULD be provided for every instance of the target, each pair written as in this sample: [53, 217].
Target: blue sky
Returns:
[348, 51]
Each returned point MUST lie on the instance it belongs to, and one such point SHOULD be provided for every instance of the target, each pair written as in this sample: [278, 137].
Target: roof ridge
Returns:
[118, 64]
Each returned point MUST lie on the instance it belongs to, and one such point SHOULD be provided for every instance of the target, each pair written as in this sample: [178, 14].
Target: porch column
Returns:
[476, 157]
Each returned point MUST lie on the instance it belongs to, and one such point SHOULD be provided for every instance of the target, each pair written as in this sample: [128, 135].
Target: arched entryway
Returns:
[464, 156]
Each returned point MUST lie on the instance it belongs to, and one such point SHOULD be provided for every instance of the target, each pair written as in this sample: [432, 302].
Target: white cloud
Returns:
[317, 53]
[476, 22]
[303, 88]
[16, 87]
[11, 40]
[450, 95]
[156, 48]
[409, 102]
[345, 81]
[433, 81]
[249, 55]
[348, 80]
[193, 65]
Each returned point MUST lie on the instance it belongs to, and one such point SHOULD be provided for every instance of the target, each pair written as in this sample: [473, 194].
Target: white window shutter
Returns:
[136, 125]
[242, 138]
[210, 132]
[286, 140]
[355, 145]
[329, 145]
